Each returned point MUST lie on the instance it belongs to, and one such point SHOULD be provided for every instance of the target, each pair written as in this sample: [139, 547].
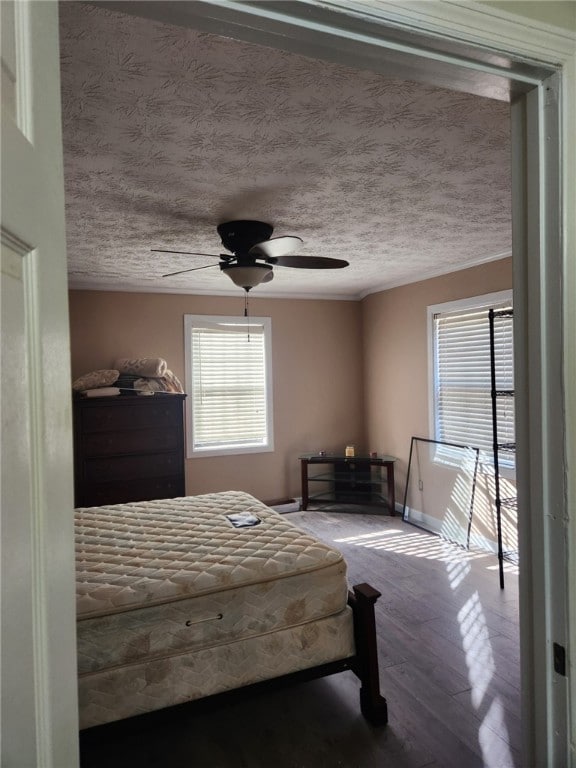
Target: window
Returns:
[229, 384]
[460, 372]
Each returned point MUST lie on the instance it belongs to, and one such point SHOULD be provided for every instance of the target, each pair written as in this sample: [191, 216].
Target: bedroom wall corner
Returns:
[317, 373]
[396, 355]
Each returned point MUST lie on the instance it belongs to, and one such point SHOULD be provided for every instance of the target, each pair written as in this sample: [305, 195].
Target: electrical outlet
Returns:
[420, 485]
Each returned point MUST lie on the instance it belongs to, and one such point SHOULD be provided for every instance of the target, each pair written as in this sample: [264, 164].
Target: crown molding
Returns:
[468, 21]
[105, 287]
[430, 274]
[270, 294]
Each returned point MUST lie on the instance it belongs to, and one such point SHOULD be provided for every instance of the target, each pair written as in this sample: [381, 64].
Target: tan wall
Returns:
[396, 355]
[344, 372]
[317, 370]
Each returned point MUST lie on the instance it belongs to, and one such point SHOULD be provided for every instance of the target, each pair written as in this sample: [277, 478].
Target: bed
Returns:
[183, 599]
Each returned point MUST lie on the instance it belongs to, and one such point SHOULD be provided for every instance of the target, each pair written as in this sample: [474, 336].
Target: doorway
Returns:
[373, 40]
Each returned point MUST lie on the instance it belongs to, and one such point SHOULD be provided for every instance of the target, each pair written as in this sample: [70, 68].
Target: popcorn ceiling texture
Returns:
[168, 131]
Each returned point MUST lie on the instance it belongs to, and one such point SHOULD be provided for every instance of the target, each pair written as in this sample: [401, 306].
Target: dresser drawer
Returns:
[135, 441]
[132, 467]
[134, 413]
[128, 448]
[94, 495]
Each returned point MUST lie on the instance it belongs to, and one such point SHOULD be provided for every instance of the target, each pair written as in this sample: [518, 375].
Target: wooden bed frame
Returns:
[364, 664]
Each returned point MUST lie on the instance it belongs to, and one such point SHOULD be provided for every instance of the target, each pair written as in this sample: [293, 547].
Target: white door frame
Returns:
[524, 53]
[544, 122]
[38, 706]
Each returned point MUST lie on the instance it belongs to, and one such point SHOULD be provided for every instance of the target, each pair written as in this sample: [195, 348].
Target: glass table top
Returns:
[341, 456]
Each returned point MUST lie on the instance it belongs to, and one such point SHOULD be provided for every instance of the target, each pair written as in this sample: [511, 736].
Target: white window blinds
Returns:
[462, 377]
[230, 398]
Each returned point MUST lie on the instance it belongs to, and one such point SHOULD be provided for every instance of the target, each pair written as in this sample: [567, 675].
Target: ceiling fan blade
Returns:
[182, 271]
[276, 246]
[309, 262]
[185, 253]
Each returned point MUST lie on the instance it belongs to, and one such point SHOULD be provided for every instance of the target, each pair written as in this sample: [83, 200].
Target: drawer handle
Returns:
[218, 616]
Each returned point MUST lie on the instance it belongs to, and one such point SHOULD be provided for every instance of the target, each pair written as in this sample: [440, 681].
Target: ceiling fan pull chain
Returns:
[246, 311]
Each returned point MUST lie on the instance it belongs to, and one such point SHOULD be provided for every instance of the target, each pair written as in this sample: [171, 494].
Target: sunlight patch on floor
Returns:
[457, 572]
[471, 622]
[414, 544]
[495, 750]
[427, 545]
[493, 732]
[476, 644]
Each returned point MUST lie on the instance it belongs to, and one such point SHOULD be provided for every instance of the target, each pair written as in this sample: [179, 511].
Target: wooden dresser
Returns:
[128, 448]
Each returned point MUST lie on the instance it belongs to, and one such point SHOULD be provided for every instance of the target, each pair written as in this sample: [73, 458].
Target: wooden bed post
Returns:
[372, 703]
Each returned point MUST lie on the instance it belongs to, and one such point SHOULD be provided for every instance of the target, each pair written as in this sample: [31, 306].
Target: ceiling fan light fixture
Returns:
[247, 277]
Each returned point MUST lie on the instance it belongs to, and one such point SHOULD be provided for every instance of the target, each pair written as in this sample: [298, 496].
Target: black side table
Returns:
[350, 479]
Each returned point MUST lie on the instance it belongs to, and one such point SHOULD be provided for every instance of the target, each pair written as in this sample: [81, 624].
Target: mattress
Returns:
[134, 689]
[168, 578]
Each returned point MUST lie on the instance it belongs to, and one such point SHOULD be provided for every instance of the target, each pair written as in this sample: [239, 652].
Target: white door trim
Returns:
[503, 35]
[38, 620]
[472, 22]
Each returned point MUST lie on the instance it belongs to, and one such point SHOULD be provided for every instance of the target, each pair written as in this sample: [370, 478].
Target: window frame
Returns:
[196, 321]
[485, 301]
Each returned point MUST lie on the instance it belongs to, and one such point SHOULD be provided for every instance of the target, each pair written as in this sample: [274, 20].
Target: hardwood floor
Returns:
[449, 668]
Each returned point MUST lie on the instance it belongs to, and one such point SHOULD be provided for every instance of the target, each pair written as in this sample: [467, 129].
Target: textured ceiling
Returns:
[169, 131]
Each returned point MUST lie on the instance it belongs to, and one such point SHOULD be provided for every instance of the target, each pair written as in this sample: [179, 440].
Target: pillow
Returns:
[96, 379]
[142, 366]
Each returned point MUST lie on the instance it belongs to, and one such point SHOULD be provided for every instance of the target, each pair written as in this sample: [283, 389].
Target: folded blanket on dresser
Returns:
[167, 383]
[102, 392]
[142, 366]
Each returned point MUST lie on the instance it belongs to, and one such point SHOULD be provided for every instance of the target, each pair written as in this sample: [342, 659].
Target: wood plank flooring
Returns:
[449, 668]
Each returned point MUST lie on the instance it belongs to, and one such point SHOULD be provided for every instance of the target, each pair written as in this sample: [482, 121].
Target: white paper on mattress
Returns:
[134, 689]
[155, 578]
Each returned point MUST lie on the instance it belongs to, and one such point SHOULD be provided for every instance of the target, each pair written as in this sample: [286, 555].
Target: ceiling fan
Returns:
[254, 252]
